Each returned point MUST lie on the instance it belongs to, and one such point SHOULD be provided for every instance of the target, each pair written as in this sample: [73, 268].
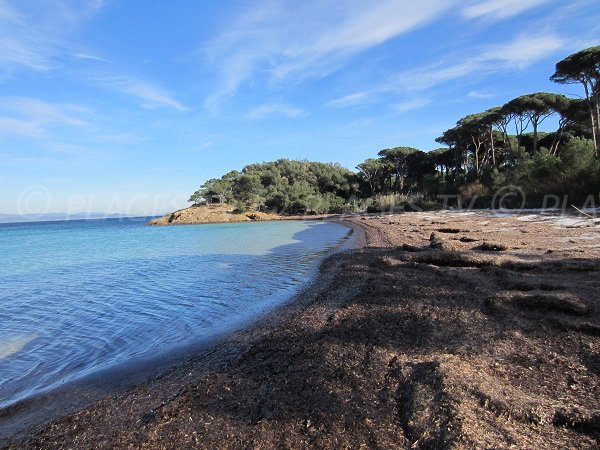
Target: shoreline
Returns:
[19, 419]
[437, 330]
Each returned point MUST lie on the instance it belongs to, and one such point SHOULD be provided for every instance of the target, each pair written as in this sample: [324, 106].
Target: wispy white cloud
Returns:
[30, 117]
[480, 94]
[410, 105]
[21, 127]
[151, 95]
[358, 98]
[284, 41]
[8, 160]
[524, 51]
[210, 141]
[45, 111]
[500, 9]
[520, 53]
[121, 138]
[38, 36]
[91, 57]
[34, 35]
[275, 109]
[515, 55]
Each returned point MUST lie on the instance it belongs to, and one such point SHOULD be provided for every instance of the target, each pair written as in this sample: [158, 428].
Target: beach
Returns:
[438, 330]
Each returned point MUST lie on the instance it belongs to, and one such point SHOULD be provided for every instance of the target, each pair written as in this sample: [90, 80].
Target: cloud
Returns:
[480, 95]
[47, 112]
[522, 52]
[272, 109]
[38, 36]
[410, 105]
[525, 50]
[21, 127]
[292, 41]
[121, 138]
[358, 98]
[34, 35]
[19, 160]
[30, 117]
[152, 95]
[91, 57]
[500, 9]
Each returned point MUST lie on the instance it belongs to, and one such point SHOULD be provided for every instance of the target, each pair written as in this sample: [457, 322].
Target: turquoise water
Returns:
[80, 296]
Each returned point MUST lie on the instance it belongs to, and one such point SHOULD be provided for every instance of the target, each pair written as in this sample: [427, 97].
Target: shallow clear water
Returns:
[79, 296]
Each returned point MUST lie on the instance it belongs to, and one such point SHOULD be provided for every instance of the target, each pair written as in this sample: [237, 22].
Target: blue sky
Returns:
[128, 106]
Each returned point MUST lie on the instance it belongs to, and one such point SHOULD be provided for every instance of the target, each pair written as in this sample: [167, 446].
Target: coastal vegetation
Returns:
[285, 186]
[484, 153]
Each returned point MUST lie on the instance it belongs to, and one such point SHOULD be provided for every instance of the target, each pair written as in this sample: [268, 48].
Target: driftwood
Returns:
[589, 216]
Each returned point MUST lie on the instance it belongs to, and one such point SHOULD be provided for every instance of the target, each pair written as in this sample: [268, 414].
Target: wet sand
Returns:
[443, 330]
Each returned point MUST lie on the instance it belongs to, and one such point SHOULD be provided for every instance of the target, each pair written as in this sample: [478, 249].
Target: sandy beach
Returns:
[439, 330]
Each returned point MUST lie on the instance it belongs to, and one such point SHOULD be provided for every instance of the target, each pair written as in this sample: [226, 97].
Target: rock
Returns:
[490, 247]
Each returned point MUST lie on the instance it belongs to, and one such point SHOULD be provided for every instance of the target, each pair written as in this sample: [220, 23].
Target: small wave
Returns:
[13, 345]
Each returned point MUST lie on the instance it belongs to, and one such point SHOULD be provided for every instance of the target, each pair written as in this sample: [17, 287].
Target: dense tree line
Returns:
[504, 146]
[285, 186]
[483, 152]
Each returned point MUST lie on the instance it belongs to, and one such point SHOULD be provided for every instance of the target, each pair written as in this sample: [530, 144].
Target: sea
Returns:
[82, 296]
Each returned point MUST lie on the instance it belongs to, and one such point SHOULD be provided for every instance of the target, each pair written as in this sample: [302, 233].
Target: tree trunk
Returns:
[535, 136]
[492, 146]
[593, 116]
[477, 145]
[506, 138]
[396, 182]
[597, 102]
[556, 140]
[518, 134]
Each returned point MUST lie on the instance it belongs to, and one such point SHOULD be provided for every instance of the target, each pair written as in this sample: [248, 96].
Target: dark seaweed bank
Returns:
[422, 338]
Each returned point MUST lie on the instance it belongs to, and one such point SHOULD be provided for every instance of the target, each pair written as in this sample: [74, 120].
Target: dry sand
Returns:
[445, 330]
